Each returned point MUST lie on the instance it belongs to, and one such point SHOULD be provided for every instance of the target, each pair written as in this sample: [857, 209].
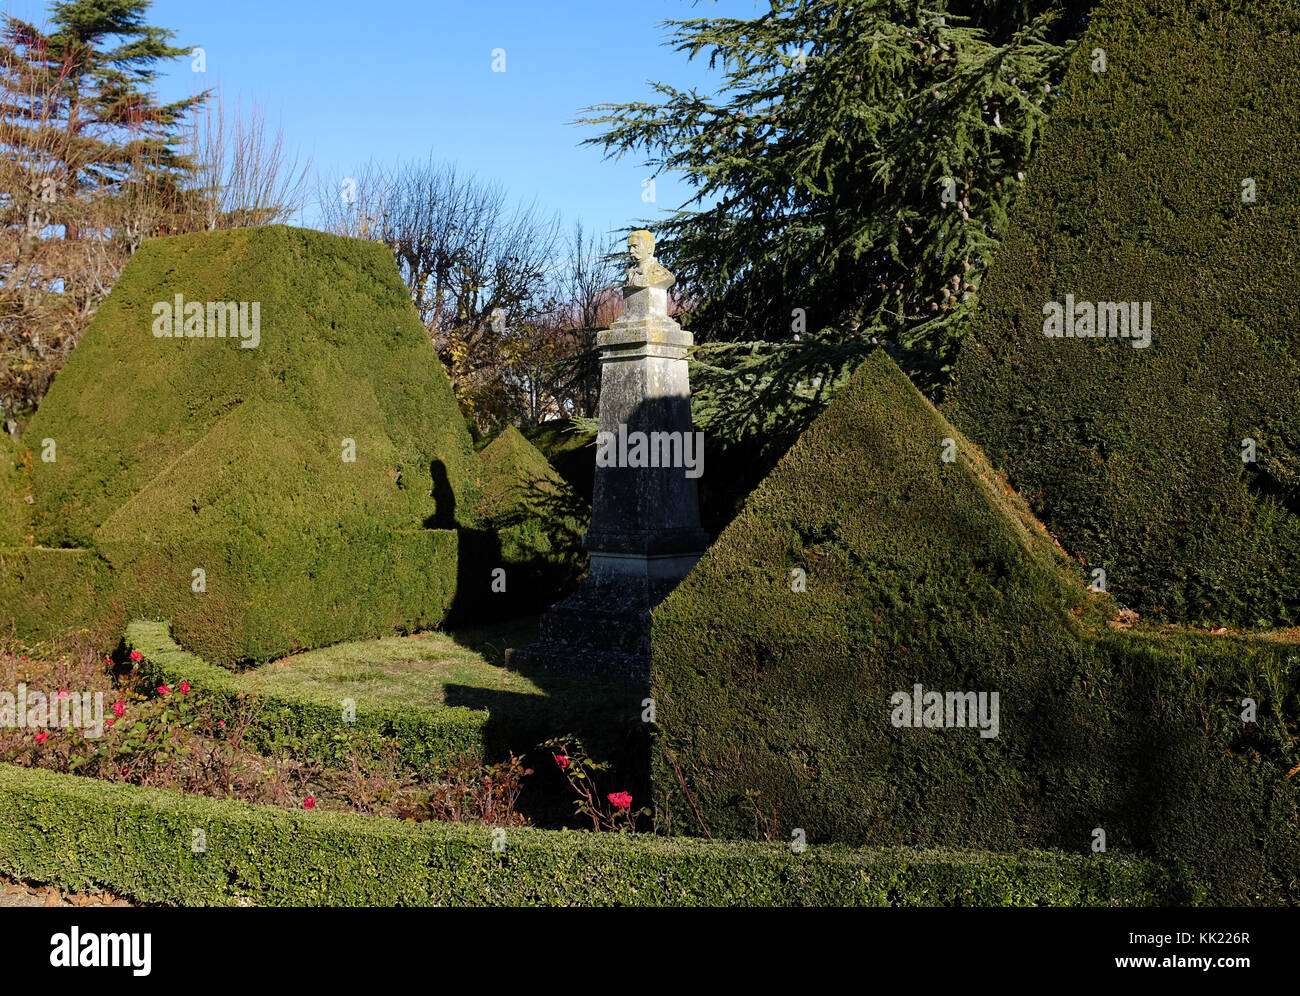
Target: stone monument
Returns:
[645, 531]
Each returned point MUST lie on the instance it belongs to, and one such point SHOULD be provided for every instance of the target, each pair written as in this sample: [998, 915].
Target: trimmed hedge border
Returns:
[45, 592]
[79, 833]
[424, 735]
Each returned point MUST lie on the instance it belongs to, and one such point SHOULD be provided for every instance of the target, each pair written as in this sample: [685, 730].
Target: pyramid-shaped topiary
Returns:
[533, 523]
[882, 553]
[268, 489]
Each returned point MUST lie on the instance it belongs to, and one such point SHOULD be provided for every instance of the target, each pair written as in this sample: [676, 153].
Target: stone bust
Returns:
[646, 271]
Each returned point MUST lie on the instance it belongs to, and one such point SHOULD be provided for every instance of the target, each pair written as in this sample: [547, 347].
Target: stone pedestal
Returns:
[645, 531]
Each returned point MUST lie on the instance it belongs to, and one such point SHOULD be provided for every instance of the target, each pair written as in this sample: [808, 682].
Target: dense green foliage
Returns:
[312, 725]
[535, 521]
[80, 833]
[515, 478]
[46, 592]
[851, 180]
[571, 449]
[1134, 457]
[925, 571]
[13, 514]
[341, 356]
[173, 456]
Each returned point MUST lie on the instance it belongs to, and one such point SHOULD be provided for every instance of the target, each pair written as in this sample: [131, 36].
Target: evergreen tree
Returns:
[851, 182]
[89, 167]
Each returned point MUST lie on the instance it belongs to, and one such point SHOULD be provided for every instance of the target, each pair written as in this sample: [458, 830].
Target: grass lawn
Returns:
[448, 691]
[414, 670]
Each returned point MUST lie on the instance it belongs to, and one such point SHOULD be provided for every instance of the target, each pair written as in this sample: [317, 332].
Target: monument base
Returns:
[602, 630]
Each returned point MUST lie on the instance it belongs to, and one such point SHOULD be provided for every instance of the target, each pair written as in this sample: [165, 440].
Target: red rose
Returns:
[309, 802]
[185, 687]
[164, 690]
[42, 737]
[562, 761]
[136, 655]
[620, 800]
[119, 707]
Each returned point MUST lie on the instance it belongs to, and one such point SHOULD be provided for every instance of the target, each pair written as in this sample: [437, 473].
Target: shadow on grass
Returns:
[605, 717]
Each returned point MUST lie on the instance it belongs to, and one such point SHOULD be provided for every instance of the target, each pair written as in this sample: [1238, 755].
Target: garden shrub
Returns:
[919, 570]
[571, 450]
[177, 455]
[533, 524]
[491, 724]
[80, 833]
[13, 510]
[44, 593]
[1133, 457]
[312, 725]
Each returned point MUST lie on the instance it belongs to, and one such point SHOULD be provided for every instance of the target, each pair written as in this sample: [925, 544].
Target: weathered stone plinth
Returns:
[645, 531]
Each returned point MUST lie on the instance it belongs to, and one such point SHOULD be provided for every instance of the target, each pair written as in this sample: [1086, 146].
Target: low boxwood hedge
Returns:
[311, 723]
[79, 833]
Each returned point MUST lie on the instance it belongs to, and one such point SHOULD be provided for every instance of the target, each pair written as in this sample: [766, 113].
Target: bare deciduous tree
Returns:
[244, 175]
[478, 267]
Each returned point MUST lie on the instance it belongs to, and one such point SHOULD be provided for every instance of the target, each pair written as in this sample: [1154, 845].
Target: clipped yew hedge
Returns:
[265, 499]
[532, 526]
[1134, 457]
[311, 724]
[47, 592]
[13, 516]
[775, 704]
[80, 833]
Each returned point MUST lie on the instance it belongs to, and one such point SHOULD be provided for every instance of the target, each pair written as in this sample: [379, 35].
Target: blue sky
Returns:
[400, 79]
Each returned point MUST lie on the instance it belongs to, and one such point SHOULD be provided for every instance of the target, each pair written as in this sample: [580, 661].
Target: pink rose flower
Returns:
[136, 655]
[620, 800]
[309, 802]
[164, 690]
[185, 687]
[119, 707]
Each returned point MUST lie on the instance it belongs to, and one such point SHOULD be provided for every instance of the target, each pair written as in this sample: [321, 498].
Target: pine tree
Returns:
[89, 166]
[851, 182]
